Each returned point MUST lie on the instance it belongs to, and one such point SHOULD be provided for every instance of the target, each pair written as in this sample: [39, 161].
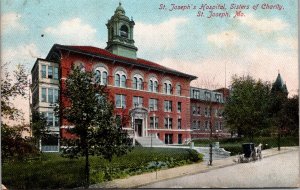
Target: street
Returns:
[281, 170]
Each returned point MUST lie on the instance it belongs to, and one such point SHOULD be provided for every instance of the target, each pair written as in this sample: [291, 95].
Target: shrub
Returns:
[54, 171]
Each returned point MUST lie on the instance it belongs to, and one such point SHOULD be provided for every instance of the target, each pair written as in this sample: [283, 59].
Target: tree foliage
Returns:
[11, 87]
[38, 126]
[91, 113]
[14, 146]
[247, 107]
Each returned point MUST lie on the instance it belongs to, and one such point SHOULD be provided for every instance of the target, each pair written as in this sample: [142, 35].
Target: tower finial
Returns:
[120, 3]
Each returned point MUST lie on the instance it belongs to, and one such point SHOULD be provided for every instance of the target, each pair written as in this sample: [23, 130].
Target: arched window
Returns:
[123, 81]
[101, 76]
[137, 82]
[120, 79]
[124, 31]
[140, 84]
[98, 76]
[153, 85]
[117, 80]
[104, 78]
[167, 87]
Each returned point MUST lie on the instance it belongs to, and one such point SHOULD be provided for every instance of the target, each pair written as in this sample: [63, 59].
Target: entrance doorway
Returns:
[138, 126]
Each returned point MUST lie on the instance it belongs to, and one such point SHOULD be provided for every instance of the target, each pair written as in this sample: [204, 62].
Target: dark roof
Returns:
[102, 53]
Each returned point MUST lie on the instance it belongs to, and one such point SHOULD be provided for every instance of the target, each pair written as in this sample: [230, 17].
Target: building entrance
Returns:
[138, 127]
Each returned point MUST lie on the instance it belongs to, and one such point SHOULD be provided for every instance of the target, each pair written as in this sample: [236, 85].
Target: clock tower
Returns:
[120, 34]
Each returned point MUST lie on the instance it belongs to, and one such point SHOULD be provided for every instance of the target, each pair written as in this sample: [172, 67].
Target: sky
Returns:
[261, 43]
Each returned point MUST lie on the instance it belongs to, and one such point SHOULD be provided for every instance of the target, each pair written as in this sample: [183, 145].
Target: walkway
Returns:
[147, 178]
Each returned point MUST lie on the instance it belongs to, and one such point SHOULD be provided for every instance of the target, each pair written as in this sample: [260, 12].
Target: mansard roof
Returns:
[104, 54]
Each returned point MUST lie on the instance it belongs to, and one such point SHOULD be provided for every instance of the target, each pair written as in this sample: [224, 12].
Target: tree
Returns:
[291, 115]
[38, 127]
[13, 145]
[91, 113]
[278, 99]
[246, 110]
[11, 87]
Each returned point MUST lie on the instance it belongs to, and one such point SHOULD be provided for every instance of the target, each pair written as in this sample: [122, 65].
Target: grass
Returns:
[53, 171]
[234, 145]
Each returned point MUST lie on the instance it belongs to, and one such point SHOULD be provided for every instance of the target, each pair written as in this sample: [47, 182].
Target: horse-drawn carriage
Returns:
[251, 153]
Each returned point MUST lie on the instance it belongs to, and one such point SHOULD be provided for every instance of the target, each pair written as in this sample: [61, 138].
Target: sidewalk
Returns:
[147, 178]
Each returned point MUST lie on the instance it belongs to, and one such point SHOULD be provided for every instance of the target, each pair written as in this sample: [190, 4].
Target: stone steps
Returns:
[146, 141]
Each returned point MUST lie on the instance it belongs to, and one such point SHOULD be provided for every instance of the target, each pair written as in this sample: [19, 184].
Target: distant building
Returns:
[207, 108]
[156, 98]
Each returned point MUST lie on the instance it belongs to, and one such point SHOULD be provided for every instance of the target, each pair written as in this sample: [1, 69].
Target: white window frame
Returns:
[137, 101]
[139, 85]
[122, 74]
[153, 104]
[167, 88]
[122, 101]
[102, 70]
[168, 106]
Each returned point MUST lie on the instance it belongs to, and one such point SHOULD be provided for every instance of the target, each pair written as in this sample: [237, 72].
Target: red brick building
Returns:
[156, 98]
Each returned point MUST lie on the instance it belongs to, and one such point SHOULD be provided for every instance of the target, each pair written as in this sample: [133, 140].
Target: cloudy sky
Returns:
[260, 44]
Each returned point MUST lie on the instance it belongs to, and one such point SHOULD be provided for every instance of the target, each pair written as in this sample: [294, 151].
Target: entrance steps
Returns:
[146, 141]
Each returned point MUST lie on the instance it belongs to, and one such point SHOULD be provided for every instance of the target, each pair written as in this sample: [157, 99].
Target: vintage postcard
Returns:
[149, 94]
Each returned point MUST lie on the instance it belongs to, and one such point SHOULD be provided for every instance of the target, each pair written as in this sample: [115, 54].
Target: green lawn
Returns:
[234, 145]
[53, 171]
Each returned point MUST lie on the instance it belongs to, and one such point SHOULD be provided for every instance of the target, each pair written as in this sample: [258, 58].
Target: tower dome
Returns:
[120, 9]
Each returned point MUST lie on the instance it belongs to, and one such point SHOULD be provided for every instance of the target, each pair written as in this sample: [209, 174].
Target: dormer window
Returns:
[124, 31]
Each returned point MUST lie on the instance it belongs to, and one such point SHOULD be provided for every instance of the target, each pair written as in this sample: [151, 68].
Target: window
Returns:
[218, 97]
[154, 122]
[120, 79]
[179, 138]
[55, 72]
[198, 125]
[55, 95]
[137, 101]
[178, 90]
[50, 95]
[206, 125]
[167, 87]
[50, 72]
[179, 123]
[179, 107]
[50, 119]
[120, 101]
[98, 76]
[138, 82]
[168, 123]
[168, 138]
[196, 94]
[194, 109]
[104, 78]
[124, 31]
[56, 121]
[101, 76]
[168, 106]
[153, 104]
[153, 85]
[123, 81]
[135, 83]
[199, 110]
[207, 96]
[207, 112]
[44, 95]
[43, 71]
[194, 125]
[117, 80]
